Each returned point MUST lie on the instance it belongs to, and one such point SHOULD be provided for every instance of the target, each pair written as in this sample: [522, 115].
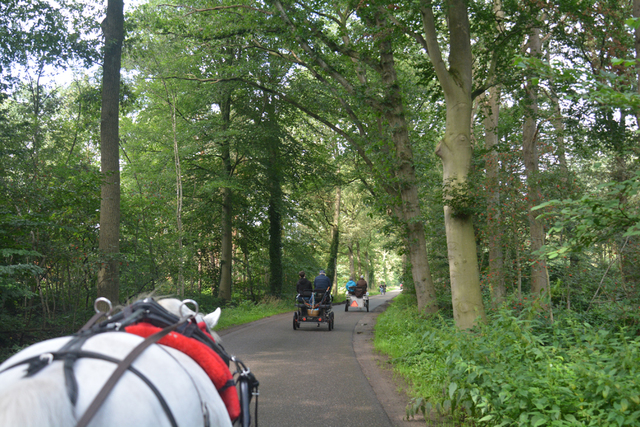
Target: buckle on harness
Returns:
[189, 315]
[105, 300]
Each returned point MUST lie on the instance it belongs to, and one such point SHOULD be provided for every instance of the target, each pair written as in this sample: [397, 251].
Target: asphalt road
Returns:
[309, 377]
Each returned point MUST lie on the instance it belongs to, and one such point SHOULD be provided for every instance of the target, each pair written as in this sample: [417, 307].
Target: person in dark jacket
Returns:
[304, 286]
[321, 282]
[361, 287]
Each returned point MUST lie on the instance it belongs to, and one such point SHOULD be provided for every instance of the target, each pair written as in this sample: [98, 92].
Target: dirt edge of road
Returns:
[388, 389]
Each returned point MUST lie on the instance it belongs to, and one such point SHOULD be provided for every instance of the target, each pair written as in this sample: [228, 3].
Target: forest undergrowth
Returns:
[518, 369]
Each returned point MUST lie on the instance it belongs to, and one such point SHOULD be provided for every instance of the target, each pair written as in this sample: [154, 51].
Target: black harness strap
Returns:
[92, 321]
[120, 370]
[41, 362]
[71, 349]
[248, 385]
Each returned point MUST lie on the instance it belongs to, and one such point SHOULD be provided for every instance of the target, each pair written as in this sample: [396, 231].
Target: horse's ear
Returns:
[211, 319]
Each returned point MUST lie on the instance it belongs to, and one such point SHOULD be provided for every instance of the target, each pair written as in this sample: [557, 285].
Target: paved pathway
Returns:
[316, 377]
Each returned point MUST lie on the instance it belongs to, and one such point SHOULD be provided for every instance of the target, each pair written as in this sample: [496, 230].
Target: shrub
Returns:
[518, 369]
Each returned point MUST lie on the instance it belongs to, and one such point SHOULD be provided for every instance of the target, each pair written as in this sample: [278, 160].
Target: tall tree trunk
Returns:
[335, 239]
[494, 214]
[455, 152]
[406, 175]
[176, 154]
[352, 268]
[369, 274]
[530, 156]
[275, 217]
[109, 245]
[360, 266]
[275, 246]
[224, 290]
[36, 101]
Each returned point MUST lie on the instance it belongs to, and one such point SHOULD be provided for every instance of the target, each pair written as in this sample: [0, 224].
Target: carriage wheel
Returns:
[330, 324]
[295, 321]
[367, 306]
[346, 306]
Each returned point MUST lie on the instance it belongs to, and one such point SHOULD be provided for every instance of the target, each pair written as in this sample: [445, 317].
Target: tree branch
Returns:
[433, 48]
[216, 8]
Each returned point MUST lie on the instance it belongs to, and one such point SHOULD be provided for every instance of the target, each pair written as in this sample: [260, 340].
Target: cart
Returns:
[314, 308]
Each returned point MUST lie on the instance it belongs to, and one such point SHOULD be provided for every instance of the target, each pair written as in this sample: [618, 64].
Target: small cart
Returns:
[315, 308]
[354, 301]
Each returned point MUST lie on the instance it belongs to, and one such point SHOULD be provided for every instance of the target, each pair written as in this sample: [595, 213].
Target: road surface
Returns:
[310, 377]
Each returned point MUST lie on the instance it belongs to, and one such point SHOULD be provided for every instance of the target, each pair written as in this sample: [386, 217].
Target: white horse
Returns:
[43, 400]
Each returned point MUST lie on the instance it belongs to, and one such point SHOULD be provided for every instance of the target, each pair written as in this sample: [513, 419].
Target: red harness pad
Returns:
[204, 356]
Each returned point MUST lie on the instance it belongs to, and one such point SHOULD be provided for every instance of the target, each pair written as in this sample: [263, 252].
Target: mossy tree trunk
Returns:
[530, 156]
[455, 152]
[224, 290]
[494, 214]
[109, 244]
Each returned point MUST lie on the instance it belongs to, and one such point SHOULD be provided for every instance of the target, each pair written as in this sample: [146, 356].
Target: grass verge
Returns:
[247, 312]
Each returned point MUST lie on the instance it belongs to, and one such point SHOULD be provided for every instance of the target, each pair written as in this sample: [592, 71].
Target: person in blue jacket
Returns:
[351, 285]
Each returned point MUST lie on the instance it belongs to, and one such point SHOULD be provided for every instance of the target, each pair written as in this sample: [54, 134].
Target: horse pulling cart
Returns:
[153, 364]
[313, 307]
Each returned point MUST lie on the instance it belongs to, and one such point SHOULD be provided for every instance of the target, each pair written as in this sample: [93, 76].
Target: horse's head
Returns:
[180, 309]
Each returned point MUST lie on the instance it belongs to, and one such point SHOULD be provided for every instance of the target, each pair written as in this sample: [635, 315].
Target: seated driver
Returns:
[322, 283]
[361, 287]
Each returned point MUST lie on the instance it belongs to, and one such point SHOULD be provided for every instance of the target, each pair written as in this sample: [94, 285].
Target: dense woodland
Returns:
[482, 153]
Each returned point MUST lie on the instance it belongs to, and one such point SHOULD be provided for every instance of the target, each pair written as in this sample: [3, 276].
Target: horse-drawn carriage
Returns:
[357, 300]
[313, 307]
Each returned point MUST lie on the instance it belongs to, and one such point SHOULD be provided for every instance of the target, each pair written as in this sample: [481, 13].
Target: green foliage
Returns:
[518, 369]
[610, 209]
[13, 272]
[43, 33]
